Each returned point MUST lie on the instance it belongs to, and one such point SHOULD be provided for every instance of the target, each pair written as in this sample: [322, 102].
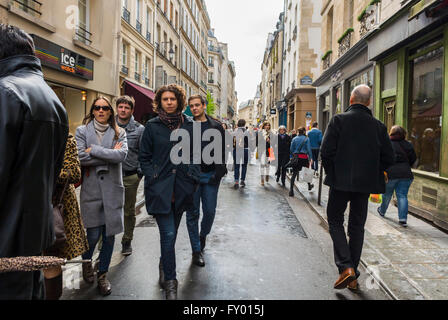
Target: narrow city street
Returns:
[264, 245]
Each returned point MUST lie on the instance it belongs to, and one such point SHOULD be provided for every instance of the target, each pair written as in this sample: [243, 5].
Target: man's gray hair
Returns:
[362, 94]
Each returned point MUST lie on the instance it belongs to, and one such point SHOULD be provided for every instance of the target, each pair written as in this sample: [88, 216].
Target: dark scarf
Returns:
[172, 121]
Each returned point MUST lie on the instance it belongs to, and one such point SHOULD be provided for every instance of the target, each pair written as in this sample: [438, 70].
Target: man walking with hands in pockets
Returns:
[356, 151]
[211, 175]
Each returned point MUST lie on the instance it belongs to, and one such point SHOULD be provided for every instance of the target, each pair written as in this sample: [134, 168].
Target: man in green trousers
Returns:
[132, 174]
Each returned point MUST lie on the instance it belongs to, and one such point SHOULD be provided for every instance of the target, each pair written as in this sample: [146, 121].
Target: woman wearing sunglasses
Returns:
[102, 147]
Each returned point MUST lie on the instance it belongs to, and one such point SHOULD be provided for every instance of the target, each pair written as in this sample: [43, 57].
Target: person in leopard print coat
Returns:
[76, 243]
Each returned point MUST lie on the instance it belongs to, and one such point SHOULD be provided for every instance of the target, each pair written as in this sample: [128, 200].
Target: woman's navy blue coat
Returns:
[163, 179]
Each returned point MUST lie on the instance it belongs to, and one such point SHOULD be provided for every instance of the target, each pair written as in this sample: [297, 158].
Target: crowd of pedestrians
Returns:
[41, 162]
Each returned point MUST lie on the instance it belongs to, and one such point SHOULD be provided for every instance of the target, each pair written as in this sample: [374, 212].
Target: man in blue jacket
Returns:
[315, 136]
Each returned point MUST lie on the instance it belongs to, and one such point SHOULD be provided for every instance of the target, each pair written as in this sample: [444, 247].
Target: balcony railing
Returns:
[294, 34]
[147, 81]
[344, 45]
[31, 7]
[83, 35]
[368, 19]
[125, 70]
[148, 36]
[211, 81]
[326, 61]
[137, 76]
[126, 15]
[138, 26]
[211, 64]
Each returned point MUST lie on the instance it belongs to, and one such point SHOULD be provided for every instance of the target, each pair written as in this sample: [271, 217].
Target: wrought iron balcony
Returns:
[83, 35]
[294, 34]
[148, 36]
[137, 76]
[138, 26]
[368, 19]
[344, 45]
[326, 61]
[31, 7]
[211, 81]
[147, 81]
[125, 70]
[126, 15]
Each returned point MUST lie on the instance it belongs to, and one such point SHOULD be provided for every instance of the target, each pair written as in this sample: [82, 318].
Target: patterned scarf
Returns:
[172, 121]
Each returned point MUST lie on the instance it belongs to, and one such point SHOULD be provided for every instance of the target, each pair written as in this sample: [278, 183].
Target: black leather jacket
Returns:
[33, 134]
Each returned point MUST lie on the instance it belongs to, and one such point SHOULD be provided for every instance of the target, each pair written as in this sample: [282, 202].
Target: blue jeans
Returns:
[243, 163]
[401, 188]
[168, 225]
[208, 193]
[107, 248]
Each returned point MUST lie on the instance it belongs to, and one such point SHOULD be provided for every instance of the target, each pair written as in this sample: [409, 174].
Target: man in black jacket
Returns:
[356, 151]
[211, 175]
[33, 134]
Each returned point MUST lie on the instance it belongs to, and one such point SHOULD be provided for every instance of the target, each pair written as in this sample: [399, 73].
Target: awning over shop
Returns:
[144, 99]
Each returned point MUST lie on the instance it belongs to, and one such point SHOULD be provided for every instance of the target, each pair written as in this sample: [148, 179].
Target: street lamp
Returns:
[171, 52]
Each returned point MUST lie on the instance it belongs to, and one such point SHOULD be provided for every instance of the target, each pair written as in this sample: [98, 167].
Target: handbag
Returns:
[271, 154]
[58, 220]
[294, 162]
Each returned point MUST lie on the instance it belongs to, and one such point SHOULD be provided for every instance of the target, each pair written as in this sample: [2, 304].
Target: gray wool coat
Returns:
[102, 190]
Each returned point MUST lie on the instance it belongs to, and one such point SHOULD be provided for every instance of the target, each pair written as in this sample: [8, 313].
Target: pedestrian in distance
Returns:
[240, 154]
[265, 163]
[102, 148]
[356, 150]
[400, 176]
[315, 136]
[301, 157]
[293, 134]
[169, 187]
[284, 146]
[76, 239]
[33, 135]
[210, 179]
[132, 173]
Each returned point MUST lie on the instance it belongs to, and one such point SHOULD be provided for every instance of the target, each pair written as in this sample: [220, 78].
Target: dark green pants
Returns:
[131, 184]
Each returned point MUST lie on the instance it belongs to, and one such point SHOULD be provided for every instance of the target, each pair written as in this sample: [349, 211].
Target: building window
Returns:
[82, 30]
[365, 78]
[124, 55]
[425, 108]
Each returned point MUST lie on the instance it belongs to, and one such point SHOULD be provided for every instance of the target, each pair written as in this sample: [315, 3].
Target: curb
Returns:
[378, 280]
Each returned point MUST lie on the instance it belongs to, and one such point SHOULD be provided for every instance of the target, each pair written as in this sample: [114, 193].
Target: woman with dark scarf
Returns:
[169, 186]
[400, 176]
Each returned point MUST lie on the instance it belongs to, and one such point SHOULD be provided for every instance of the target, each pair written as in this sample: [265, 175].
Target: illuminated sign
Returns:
[56, 57]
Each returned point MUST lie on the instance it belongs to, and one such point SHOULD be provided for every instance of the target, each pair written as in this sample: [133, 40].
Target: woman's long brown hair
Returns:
[89, 118]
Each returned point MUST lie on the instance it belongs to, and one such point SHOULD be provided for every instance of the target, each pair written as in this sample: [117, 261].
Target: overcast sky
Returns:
[244, 25]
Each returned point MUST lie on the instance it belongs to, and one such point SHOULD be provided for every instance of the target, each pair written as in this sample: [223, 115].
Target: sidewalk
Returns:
[409, 263]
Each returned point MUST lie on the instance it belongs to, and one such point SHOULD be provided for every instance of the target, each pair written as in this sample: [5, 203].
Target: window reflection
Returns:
[426, 109]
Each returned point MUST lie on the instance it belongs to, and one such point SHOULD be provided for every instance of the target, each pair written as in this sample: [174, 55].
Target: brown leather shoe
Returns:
[347, 276]
[87, 272]
[353, 285]
[104, 285]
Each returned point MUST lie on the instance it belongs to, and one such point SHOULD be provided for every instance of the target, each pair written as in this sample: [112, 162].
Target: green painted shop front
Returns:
[411, 90]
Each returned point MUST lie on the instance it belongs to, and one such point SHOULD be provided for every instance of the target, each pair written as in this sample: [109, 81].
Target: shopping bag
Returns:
[307, 175]
[376, 198]
[271, 154]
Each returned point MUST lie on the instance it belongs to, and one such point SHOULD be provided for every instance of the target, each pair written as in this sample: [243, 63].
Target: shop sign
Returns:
[56, 57]
[309, 115]
[273, 111]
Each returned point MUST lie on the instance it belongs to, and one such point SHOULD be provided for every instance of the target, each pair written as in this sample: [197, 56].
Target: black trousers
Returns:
[22, 286]
[283, 160]
[347, 254]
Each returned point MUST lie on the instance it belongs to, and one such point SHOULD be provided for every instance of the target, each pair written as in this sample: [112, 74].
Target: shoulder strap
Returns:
[304, 141]
[402, 150]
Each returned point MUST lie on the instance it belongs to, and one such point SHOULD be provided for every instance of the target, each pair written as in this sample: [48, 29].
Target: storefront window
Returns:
[425, 110]
[338, 100]
[72, 99]
[364, 78]
[390, 75]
